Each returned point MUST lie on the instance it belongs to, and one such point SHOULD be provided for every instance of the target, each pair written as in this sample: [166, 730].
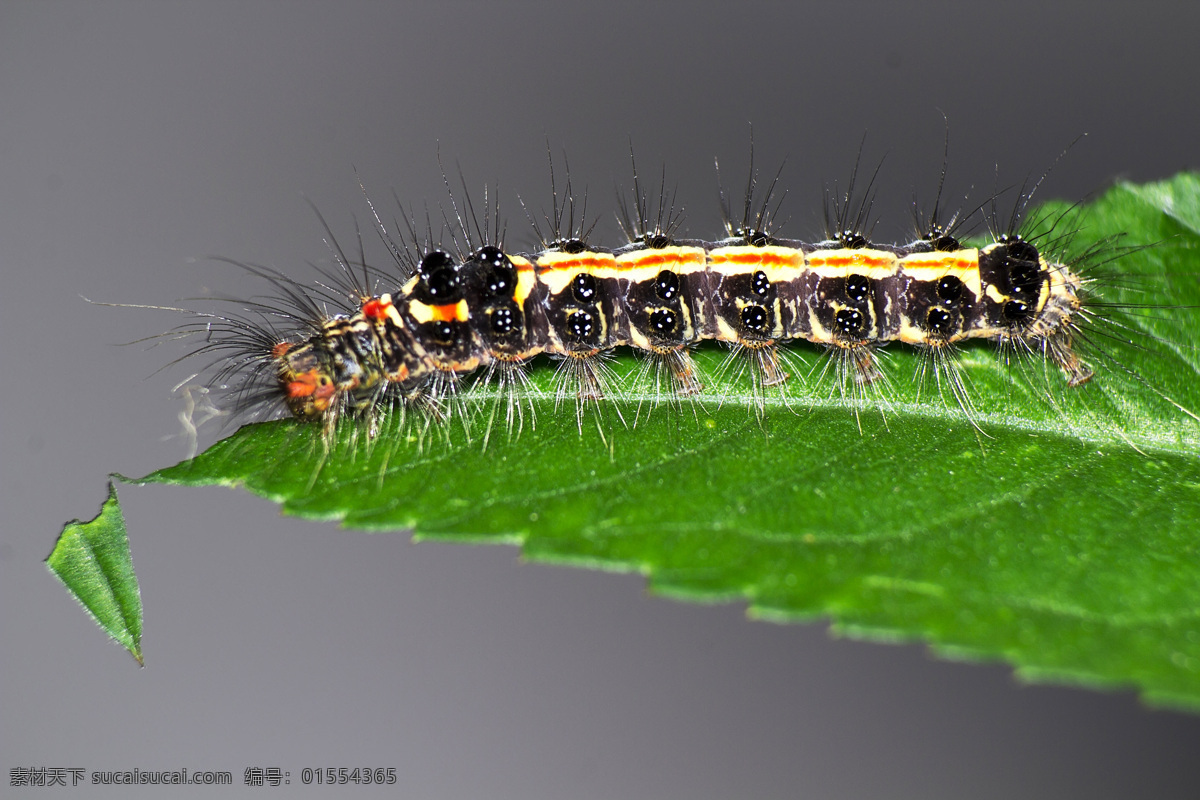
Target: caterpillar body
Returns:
[477, 307]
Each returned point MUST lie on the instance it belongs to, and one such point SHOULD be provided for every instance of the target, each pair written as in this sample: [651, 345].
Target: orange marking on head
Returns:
[304, 385]
[280, 349]
[308, 384]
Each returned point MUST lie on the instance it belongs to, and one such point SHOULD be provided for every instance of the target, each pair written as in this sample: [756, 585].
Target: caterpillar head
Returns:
[332, 371]
[305, 377]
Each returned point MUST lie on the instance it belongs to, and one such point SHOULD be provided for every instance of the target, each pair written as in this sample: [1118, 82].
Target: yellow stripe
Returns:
[423, 312]
[745, 257]
[874, 264]
[556, 270]
[676, 258]
[961, 264]
[779, 264]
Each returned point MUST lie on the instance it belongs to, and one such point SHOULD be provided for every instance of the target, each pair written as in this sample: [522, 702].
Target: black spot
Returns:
[1025, 278]
[440, 275]
[442, 284]
[666, 285]
[943, 242]
[500, 281]
[949, 289]
[434, 260]
[1018, 249]
[754, 237]
[852, 241]
[663, 320]
[754, 318]
[760, 284]
[656, 241]
[581, 324]
[490, 254]
[499, 277]
[443, 332]
[1016, 310]
[857, 287]
[571, 246]
[938, 321]
[849, 322]
[504, 320]
[583, 287]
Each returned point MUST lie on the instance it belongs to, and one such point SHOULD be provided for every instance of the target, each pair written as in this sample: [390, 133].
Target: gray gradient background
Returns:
[138, 139]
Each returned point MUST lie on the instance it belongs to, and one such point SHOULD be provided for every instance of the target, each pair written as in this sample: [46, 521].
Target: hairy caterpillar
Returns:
[362, 340]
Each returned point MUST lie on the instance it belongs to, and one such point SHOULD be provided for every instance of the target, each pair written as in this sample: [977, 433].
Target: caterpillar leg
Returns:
[765, 357]
[586, 378]
[866, 367]
[509, 381]
[666, 374]
[1060, 351]
[764, 362]
[685, 378]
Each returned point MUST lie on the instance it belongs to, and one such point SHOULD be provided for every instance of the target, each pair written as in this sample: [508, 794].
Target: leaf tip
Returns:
[92, 561]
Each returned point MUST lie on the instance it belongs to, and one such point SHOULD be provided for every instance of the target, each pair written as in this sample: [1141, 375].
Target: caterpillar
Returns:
[342, 347]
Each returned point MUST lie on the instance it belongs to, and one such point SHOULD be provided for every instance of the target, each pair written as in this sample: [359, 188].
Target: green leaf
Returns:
[92, 560]
[1056, 528]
